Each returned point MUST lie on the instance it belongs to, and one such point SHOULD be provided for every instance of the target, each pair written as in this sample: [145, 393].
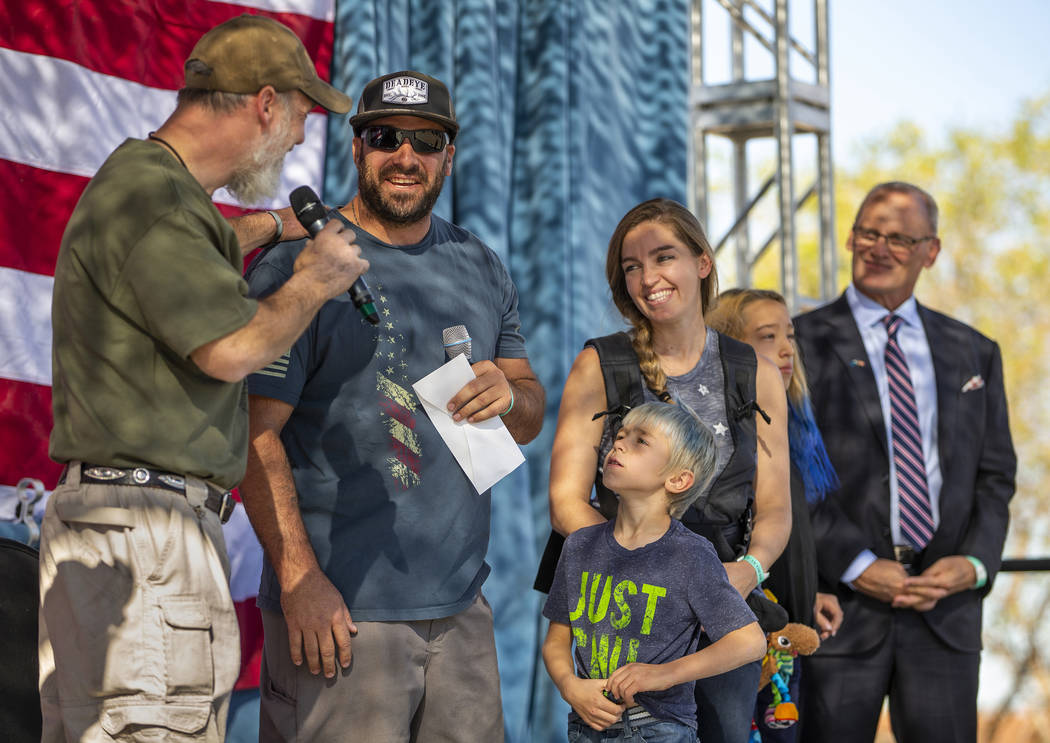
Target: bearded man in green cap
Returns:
[153, 333]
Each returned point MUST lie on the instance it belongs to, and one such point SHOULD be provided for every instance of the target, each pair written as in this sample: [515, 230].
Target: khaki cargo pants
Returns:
[138, 635]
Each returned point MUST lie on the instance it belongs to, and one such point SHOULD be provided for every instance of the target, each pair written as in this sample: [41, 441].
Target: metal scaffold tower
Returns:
[782, 108]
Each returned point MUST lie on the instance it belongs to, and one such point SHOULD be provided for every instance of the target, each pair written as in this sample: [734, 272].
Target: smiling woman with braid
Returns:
[662, 276]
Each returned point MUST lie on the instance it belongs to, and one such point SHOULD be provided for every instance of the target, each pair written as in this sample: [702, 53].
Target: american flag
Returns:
[78, 77]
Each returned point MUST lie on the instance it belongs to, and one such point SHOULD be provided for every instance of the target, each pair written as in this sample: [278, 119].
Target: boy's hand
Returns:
[626, 681]
[587, 697]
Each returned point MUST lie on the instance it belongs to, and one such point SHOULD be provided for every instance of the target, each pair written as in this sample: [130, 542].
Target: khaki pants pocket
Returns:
[187, 646]
[121, 717]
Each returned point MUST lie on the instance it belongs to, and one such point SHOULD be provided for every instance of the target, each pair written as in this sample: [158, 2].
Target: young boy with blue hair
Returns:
[633, 593]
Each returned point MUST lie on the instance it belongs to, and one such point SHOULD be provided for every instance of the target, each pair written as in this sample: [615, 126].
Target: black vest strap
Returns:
[725, 517]
[623, 391]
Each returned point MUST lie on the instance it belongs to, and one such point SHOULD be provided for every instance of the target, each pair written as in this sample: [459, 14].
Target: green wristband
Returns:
[511, 402]
[981, 570]
[753, 562]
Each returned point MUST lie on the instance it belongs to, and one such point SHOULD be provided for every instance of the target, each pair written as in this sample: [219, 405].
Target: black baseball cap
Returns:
[406, 93]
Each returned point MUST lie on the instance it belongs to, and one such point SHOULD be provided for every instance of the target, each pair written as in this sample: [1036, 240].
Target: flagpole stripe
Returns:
[34, 211]
[74, 101]
[25, 326]
[323, 10]
[245, 555]
[249, 621]
[127, 42]
[25, 427]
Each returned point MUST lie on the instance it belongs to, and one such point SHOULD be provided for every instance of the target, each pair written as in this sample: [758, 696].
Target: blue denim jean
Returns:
[725, 704]
[662, 731]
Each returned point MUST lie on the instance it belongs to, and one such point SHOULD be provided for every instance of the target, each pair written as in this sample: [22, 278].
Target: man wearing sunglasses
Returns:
[371, 529]
[913, 411]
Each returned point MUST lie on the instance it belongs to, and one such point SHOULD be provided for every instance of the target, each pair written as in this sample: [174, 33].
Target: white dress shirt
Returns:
[911, 337]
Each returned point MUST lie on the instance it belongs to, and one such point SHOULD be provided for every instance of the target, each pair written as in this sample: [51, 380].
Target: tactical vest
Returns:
[724, 514]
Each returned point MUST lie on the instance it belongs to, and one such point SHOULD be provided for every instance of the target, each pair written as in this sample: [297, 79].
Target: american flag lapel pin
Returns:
[975, 382]
[858, 362]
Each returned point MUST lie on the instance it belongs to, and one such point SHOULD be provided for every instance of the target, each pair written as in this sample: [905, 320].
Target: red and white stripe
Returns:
[77, 78]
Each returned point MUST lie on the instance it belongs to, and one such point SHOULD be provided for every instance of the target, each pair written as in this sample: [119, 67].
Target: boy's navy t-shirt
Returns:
[644, 605]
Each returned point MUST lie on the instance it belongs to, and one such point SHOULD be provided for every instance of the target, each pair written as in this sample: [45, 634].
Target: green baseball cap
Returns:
[250, 51]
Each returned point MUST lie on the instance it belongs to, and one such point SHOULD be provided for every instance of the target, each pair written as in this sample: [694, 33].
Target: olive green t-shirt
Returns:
[148, 272]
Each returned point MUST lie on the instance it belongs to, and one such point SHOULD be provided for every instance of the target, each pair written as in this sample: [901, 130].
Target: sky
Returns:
[940, 63]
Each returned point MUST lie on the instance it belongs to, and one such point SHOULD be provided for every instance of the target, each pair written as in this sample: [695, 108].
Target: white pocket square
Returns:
[975, 382]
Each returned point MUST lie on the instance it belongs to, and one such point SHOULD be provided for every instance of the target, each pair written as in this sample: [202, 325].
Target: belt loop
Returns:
[72, 474]
[196, 493]
[627, 728]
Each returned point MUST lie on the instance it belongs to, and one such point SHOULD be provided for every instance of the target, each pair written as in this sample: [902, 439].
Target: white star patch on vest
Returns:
[702, 390]
[720, 430]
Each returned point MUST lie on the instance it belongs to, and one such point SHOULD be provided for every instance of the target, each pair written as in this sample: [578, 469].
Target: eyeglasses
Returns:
[390, 138]
[900, 245]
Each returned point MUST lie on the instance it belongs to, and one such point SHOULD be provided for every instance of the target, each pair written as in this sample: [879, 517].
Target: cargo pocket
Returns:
[120, 715]
[187, 646]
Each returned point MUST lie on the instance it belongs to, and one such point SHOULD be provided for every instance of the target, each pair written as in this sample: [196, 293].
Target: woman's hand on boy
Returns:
[588, 698]
[628, 680]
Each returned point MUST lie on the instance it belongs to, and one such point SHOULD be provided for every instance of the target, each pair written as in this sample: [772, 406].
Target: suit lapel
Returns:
[946, 346]
[849, 347]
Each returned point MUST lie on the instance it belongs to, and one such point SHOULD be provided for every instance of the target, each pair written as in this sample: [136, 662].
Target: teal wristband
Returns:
[753, 562]
[511, 402]
[981, 570]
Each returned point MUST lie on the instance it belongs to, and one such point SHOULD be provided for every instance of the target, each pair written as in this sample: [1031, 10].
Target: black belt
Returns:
[219, 502]
[906, 555]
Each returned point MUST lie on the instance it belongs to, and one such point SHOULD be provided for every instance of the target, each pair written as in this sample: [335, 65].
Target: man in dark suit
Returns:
[913, 411]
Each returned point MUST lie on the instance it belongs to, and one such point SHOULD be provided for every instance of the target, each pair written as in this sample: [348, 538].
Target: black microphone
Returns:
[312, 215]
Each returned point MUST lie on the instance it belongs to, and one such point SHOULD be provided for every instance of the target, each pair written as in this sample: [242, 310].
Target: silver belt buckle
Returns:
[226, 506]
[904, 554]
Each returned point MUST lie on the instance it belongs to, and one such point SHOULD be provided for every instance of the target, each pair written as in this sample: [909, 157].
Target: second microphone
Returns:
[312, 215]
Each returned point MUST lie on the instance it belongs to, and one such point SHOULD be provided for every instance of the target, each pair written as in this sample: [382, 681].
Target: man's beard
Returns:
[398, 209]
[257, 180]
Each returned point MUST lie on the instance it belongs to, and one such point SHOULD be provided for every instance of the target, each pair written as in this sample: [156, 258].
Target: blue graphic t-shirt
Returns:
[644, 605]
[395, 523]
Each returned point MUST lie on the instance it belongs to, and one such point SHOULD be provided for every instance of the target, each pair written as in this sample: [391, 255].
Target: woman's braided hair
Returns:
[687, 229]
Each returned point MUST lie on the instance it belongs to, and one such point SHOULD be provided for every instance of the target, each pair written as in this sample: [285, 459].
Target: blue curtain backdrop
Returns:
[572, 111]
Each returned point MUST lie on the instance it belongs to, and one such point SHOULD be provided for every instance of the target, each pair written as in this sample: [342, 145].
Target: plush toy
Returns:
[783, 647]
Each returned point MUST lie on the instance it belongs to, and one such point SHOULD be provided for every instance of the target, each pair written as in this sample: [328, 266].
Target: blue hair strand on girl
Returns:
[808, 453]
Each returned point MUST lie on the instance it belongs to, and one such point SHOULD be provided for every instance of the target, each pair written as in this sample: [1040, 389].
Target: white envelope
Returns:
[486, 451]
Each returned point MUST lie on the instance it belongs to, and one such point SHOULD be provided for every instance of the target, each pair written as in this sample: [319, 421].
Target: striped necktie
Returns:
[913, 494]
